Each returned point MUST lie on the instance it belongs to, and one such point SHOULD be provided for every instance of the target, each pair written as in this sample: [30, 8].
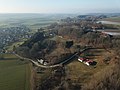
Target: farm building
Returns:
[85, 61]
[41, 61]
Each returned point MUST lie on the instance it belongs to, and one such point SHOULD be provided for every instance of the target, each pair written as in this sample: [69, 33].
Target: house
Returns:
[85, 61]
[41, 61]
[60, 36]
[45, 63]
[80, 59]
[89, 62]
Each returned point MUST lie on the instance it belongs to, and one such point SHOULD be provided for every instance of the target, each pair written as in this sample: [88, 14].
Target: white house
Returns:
[41, 61]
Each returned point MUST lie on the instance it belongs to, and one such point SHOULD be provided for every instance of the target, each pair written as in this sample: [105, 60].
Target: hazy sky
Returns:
[59, 6]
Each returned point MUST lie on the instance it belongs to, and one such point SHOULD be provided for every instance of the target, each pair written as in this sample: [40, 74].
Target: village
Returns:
[12, 35]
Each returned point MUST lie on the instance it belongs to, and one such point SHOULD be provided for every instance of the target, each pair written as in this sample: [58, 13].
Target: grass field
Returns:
[81, 73]
[14, 74]
[16, 44]
[33, 24]
[32, 21]
[113, 19]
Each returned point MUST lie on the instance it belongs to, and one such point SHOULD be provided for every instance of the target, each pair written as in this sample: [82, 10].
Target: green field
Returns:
[16, 44]
[32, 21]
[33, 24]
[14, 74]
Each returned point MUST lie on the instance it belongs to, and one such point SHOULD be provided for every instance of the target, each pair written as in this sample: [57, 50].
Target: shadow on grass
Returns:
[90, 58]
[70, 61]
[9, 59]
[90, 55]
[94, 63]
[96, 48]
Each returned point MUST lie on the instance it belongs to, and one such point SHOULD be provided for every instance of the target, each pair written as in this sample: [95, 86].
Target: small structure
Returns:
[41, 61]
[69, 43]
[60, 36]
[89, 62]
[80, 59]
[45, 63]
[85, 61]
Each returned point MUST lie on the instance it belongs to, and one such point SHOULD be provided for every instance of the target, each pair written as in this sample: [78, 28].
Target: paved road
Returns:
[52, 66]
[36, 63]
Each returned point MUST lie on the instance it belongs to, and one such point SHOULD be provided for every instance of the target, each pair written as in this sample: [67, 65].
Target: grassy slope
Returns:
[79, 72]
[14, 75]
[16, 44]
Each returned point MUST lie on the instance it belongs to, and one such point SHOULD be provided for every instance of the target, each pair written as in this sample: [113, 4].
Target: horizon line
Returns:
[58, 13]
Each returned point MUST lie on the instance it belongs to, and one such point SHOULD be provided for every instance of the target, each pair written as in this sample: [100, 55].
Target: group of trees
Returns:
[39, 46]
[96, 39]
[36, 46]
[54, 80]
[71, 32]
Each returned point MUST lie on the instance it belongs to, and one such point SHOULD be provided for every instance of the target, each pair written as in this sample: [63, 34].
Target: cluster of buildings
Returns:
[43, 62]
[91, 18]
[11, 35]
[86, 61]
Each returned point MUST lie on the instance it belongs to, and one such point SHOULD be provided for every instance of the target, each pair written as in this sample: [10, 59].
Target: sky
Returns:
[59, 6]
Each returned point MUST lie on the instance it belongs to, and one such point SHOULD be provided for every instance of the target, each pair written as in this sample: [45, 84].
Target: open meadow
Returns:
[14, 73]
[32, 21]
